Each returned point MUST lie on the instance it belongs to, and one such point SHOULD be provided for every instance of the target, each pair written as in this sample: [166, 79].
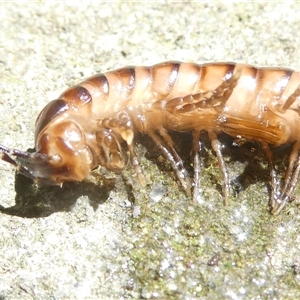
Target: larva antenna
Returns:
[32, 165]
[4, 155]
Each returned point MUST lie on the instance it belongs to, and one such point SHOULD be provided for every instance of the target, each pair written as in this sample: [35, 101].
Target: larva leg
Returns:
[111, 154]
[222, 93]
[293, 170]
[122, 124]
[178, 159]
[292, 98]
[217, 147]
[214, 98]
[272, 171]
[292, 162]
[196, 150]
[175, 163]
[290, 181]
[136, 165]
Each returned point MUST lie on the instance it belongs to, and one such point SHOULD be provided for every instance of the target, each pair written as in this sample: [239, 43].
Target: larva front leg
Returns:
[110, 153]
[121, 125]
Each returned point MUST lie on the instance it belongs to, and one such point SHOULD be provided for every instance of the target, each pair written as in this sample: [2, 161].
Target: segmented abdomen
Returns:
[164, 91]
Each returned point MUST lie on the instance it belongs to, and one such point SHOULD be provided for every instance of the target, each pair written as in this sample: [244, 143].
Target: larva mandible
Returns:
[90, 123]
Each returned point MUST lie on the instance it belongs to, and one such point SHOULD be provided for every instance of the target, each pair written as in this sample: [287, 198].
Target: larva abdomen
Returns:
[89, 123]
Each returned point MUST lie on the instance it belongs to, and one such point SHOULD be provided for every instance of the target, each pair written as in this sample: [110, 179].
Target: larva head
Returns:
[61, 155]
[68, 156]
[55, 121]
[61, 151]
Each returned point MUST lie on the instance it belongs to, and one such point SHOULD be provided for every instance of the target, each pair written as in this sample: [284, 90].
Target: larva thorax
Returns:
[94, 123]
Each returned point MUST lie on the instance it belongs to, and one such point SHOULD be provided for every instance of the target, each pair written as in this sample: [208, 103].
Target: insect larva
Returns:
[90, 123]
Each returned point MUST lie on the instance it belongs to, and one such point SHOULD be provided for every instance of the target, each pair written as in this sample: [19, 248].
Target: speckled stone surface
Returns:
[81, 241]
